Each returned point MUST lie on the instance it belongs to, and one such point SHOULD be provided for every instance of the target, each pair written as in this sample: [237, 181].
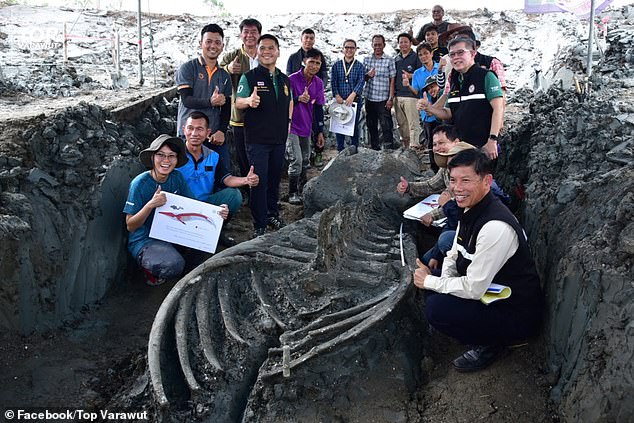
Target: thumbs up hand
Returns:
[405, 79]
[235, 67]
[254, 99]
[402, 186]
[217, 99]
[158, 199]
[304, 98]
[420, 274]
[423, 103]
[252, 178]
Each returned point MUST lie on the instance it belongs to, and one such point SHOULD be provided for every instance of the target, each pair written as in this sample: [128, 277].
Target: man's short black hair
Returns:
[212, 28]
[197, 114]
[404, 34]
[308, 31]
[269, 37]
[425, 46]
[472, 158]
[251, 22]
[449, 131]
[429, 27]
[350, 40]
[467, 32]
[314, 53]
[468, 41]
[378, 36]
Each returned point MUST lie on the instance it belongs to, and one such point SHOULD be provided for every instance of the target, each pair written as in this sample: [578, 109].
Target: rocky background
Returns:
[64, 176]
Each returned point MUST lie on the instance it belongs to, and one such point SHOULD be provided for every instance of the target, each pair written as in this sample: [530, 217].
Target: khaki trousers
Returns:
[408, 120]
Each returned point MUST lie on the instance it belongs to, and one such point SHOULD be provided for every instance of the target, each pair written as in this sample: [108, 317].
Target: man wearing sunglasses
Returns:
[475, 102]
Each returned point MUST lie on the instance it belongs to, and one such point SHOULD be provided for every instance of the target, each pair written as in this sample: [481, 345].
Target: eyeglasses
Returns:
[350, 47]
[457, 53]
[163, 156]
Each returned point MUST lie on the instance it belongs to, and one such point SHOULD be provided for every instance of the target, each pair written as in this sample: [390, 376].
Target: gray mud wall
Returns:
[575, 162]
[63, 183]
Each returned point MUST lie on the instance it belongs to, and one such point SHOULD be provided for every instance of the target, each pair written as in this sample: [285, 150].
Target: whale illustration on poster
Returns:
[187, 222]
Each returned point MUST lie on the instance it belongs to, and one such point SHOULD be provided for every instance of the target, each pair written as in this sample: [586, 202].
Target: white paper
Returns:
[346, 128]
[420, 209]
[496, 288]
[187, 222]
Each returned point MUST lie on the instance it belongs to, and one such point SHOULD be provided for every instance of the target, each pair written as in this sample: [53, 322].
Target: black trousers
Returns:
[375, 114]
[241, 153]
[268, 162]
[428, 129]
[472, 322]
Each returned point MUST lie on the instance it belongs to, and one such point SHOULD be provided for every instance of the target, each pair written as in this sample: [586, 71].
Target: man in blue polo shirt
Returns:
[205, 86]
[204, 170]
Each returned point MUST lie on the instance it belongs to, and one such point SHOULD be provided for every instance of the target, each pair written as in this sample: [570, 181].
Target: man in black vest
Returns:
[475, 102]
[265, 95]
[490, 247]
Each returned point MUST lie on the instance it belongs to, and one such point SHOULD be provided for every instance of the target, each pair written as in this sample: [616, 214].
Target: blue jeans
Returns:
[161, 259]
[439, 250]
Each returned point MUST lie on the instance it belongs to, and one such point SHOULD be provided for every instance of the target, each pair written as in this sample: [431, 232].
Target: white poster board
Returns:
[423, 207]
[344, 128]
[187, 222]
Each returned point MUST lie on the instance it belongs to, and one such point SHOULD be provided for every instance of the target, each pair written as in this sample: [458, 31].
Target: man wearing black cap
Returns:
[159, 259]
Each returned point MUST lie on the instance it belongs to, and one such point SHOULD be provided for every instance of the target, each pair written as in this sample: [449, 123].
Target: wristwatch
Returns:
[493, 137]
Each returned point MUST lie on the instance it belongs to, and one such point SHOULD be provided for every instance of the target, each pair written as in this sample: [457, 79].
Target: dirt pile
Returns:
[51, 81]
[63, 180]
[576, 161]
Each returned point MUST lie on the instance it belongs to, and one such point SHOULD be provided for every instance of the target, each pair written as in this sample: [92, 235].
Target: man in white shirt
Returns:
[490, 247]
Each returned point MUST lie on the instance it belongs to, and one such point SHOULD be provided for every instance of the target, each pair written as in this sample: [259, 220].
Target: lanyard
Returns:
[347, 70]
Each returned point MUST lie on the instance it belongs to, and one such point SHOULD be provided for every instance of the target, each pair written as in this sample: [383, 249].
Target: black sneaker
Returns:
[259, 232]
[276, 222]
[478, 358]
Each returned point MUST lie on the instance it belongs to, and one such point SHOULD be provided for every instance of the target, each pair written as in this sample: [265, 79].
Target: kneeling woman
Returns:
[160, 260]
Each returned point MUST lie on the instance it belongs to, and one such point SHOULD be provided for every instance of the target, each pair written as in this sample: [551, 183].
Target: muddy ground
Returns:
[89, 360]
[581, 360]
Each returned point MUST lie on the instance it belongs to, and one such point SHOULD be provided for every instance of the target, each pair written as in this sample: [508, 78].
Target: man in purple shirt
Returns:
[308, 98]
